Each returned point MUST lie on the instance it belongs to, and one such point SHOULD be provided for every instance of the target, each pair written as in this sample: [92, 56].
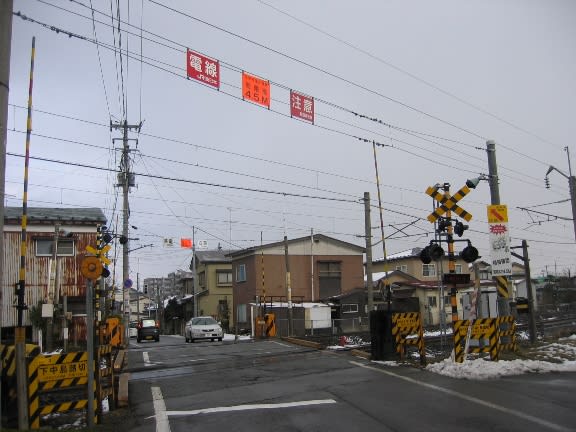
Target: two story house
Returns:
[214, 287]
[320, 267]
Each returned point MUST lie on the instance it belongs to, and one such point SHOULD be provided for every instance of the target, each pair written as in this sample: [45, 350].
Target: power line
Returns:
[318, 69]
[219, 185]
[411, 75]
[403, 130]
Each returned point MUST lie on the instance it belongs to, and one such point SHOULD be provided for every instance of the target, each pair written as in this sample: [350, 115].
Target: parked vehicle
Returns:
[148, 329]
[133, 329]
[203, 328]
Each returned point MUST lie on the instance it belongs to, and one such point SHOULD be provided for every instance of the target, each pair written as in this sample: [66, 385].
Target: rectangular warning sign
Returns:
[497, 213]
[255, 89]
[54, 372]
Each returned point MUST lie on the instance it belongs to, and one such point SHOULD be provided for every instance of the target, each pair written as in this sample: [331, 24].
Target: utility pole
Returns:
[368, 236]
[531, 317]
[571, 186]
[502, 302]
[194, 275]
[288, 289]
[125, 180]
[6, 7]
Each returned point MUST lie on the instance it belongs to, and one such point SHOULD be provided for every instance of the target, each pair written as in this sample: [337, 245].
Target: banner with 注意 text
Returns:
[301, 106]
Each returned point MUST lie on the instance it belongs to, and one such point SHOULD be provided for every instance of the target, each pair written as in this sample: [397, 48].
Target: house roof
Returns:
[317, 237]
[217, 256]
[409, 253]
[378, 276]
[50, 215]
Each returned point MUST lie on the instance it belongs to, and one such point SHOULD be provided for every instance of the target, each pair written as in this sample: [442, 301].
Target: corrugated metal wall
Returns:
[72, 283]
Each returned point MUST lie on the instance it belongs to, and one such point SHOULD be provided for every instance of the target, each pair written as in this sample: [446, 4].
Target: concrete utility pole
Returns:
[531, 317]
[368, 235]
[288, 289]
[5, 47]
[503, 302]
[571, 186]
[126, 180]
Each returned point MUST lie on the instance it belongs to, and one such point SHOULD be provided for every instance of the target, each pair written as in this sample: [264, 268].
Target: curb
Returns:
[303, 342]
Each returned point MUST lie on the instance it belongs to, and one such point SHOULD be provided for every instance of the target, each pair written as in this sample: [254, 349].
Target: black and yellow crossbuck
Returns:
[448, 203]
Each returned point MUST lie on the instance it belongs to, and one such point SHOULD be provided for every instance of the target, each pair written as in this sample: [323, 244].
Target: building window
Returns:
[350, 308]
[241, 273]
[458, 268]
[224, 278]
[428, 269]
[403, 268]
[432, 301]
[329, 278]
[45, 247]
[202, 280]
[447, 301]
[241, 313]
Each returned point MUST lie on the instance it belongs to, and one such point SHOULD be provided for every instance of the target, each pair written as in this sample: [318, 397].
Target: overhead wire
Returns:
[404, 130]
[409, 74]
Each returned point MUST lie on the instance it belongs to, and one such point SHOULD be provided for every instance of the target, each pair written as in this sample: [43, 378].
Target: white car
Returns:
[133, 330]
[203, 328]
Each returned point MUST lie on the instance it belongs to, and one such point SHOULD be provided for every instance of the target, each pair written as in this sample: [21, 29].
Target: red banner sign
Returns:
[202, 68]
[255, 89]
[302, 106]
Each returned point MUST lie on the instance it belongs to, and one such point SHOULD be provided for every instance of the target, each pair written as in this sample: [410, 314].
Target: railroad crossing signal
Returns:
[448, 203]
[100, 253]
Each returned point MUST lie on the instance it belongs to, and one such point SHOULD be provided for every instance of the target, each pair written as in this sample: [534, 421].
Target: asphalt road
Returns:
[275, 386]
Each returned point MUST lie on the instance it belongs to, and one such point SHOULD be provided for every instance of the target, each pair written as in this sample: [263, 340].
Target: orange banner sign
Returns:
[255, 90]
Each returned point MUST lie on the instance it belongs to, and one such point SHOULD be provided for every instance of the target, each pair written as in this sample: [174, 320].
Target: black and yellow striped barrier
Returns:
[485, 329]
[508, 331]
[270, 323]
[482, 329]
[407, 330]
[9, 382]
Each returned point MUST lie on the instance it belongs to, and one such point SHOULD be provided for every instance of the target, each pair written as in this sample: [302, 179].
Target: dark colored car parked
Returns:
[148, 329]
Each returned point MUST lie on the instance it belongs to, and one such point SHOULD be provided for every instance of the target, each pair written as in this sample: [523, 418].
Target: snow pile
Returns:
[480, 369]
[557, 356]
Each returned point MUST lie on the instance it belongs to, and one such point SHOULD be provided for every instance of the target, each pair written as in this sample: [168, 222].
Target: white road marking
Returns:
[195, 360]
[146, 358]
[472, 399]
[251, 407]
[162, 423]
[281, 344]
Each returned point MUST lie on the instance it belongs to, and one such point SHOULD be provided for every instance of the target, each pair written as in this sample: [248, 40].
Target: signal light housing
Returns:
[431, 252]
[469, 254]
[459, 228]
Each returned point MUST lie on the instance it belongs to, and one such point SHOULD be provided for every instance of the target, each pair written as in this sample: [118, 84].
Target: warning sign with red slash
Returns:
[499, 238]
[497, 213]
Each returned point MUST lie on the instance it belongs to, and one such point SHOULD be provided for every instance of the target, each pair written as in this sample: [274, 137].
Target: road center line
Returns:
[162, 423]
[251, 407]
[472, 399]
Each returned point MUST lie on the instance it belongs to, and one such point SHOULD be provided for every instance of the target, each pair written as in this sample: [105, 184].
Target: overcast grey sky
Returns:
[453, 73]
